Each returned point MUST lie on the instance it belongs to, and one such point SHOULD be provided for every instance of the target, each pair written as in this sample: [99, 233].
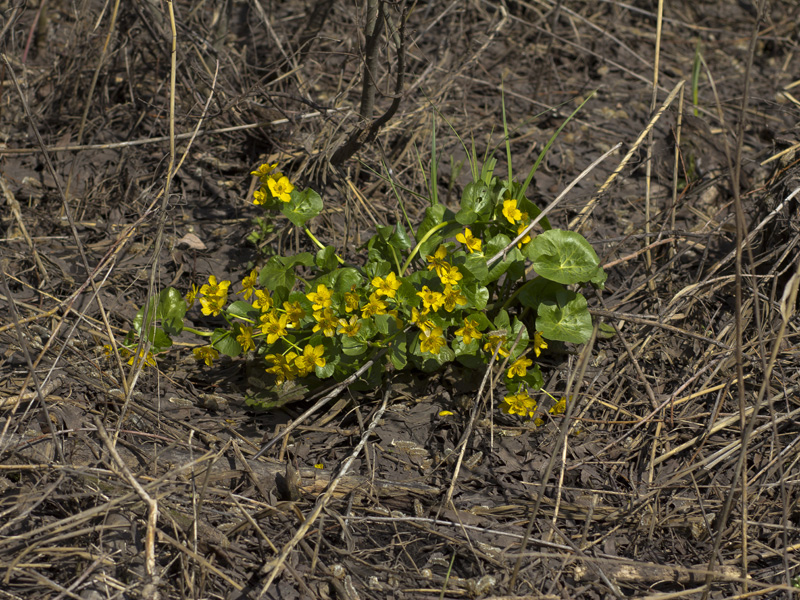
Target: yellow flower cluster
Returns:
[274, 185]
[215, 295]
[291, 365]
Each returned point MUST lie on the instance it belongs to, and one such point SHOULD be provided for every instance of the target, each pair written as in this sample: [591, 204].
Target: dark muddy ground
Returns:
[630, 501]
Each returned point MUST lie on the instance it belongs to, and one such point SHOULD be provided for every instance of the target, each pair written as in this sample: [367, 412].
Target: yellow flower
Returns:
[432, 341]
[245, 338]
[312, 356]
[519, 368]
[527, 237]
[263, 301]
[149, 359]
[294, 312]
[349, 328]
[321, 298]
[280, 188]
[375, 306]
[437, 260]
[519, 404]
[191, 296]
[212, 288]
[248, 283]
[446, 413]
[510, 211]
[207, 354]
[273, 326]
[213, 305]
[450, 275]
[472, 243]
[326, 322]
[282, 366]
[495, 341]
[452, 297]
[386, 287]
[351, 300]
[560, 407]
[538, 344]
[260, 197]
[431, 300]
[264, 170]
[469, 331]
[420, 320]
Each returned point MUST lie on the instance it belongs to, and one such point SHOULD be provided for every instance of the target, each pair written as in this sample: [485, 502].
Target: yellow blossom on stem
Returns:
[191, 296]
[280, 188]
[212, 288]
[560, 407]
[349, 328]
[327, 322]
[282, 366]
[311, 357]
[431, 300]
[374, 307]
[437, 260]
[260, 197]
[351, 300]
[263, 301]
[432, 341]
[206, 354]
[386, 287]
[321, 298]
[264, 171]
[273, 326]
[472, 243]
[538, 344]
[245, 338]
[519, 368]
[248, 284]
[420, 320]
[495, 341]
[469, 331]
[510, 211]
[450, 275]
[519, 404]
[294, 312]
[452, 297]
[522, 226]
[212, 305]
[149, 359]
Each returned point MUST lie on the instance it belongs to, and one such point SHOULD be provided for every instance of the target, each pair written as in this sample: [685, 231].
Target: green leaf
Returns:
[345, 278]
[160, 340]
[225, 343]
[400, 239]
[275, 275]
[242, 309]
[537, 290]
[565, 319]
[434, 215]
[564, 256]
[304, 206]
[353, 346]
[386, 324]
[476, 295]
[399, 354]
[326, 259]
[475, 265]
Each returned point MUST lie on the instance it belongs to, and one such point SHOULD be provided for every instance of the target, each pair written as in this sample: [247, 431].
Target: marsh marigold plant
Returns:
[476, 286]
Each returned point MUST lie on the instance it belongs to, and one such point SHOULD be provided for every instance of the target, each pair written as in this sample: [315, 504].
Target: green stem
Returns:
[198, 332]
[320, 245]
[424, 239]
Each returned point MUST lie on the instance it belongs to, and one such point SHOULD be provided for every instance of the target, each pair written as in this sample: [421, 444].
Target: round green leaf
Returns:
[564, 256]
[566, 319]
